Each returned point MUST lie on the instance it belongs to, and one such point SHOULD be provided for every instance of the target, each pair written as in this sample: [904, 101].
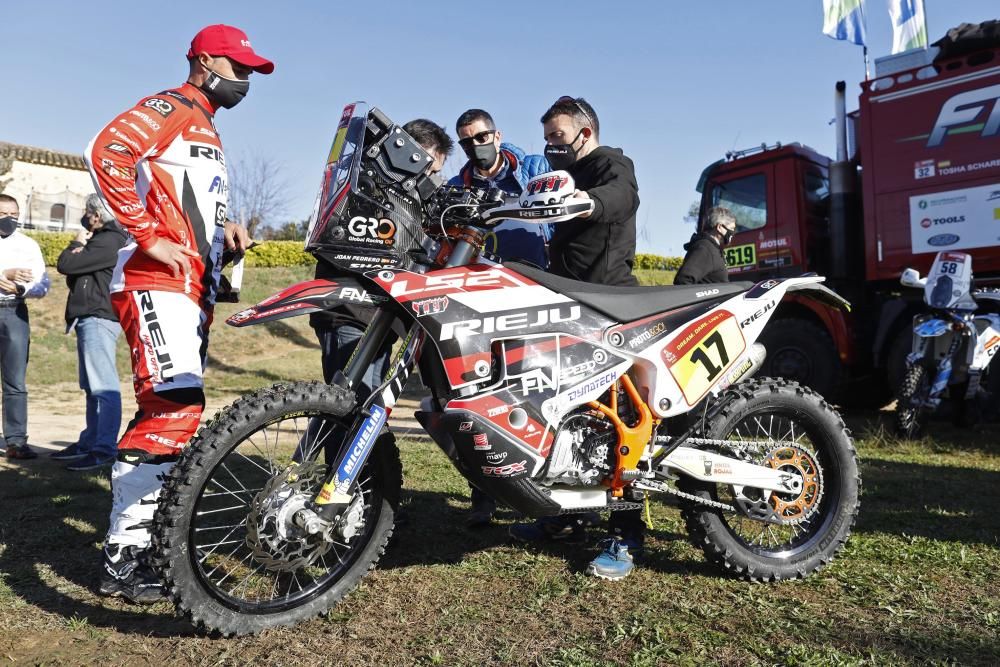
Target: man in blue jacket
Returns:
[493, 163]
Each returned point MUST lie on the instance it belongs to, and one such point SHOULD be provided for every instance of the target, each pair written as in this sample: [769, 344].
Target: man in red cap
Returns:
[160, 169]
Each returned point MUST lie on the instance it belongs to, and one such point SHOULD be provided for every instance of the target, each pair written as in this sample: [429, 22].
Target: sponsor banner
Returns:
[957, 219]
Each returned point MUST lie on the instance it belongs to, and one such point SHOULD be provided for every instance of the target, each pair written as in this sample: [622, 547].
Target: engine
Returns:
[583, 452]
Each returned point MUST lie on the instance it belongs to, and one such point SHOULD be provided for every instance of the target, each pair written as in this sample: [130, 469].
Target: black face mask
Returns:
[562, 156]
[85, 222]
[223, 92]
[727, 236]
[483, 157]
[7, 225]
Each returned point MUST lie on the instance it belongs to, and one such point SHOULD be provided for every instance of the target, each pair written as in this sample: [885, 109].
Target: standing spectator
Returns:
[598, 248]
[22, 276]
[88, 264]
[493, 164]
[704, 261]
[161, 168]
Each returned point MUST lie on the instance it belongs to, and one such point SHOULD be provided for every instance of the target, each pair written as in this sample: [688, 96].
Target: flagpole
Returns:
[927, 31]
[864, 19]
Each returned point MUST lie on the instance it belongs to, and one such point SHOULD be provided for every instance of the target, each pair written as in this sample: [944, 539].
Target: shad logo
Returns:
[965, 109]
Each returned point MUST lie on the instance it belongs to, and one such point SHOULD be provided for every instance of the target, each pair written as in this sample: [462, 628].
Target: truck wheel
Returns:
[801, 351]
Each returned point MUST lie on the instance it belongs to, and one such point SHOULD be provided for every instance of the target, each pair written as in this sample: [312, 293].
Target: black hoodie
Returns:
[601, 248]
[703, 263]
[88, 273]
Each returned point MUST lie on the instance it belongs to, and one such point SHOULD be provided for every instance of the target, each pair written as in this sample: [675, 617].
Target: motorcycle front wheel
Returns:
[773, 536]
[226, 545]
[910, 410]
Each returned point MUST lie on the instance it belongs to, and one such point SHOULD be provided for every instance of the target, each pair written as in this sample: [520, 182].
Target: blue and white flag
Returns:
[844, 19]
[909, 25]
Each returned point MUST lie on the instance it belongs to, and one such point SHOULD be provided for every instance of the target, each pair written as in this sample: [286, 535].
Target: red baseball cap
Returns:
[225, 40]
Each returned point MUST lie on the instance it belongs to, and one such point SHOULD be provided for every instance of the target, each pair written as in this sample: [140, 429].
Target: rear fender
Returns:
[756, 306]
[307, 297]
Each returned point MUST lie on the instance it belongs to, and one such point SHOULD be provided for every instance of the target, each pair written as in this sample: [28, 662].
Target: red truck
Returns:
[917, 171]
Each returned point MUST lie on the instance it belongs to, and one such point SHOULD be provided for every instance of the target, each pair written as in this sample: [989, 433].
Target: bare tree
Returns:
[693, 213]
[258, 190]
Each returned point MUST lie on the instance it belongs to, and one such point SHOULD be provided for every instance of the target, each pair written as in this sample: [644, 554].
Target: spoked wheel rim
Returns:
[784, 440]
[240, 529]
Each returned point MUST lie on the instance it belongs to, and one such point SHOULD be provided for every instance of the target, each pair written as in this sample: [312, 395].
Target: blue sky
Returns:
[676, 84]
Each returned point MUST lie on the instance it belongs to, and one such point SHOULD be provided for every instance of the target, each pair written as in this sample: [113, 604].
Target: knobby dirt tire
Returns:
[709, 529]
[909, 419]
[172, 556]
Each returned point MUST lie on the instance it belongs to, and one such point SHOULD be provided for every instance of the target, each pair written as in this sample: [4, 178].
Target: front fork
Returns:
[944, 367]
[335, 494]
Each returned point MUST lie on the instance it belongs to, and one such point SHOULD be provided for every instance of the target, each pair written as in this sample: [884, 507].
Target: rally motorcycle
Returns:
[551, 395]
[953, 344]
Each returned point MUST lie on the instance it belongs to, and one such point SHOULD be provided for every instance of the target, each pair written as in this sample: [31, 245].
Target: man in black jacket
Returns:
[704, 261]
[88, 264]
[597, 248]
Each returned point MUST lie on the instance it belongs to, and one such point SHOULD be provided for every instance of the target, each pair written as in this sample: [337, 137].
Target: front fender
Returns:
[307, 297]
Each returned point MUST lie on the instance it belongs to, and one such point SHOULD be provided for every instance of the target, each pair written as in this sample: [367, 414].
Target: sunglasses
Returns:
[479, 138]
[566, 99]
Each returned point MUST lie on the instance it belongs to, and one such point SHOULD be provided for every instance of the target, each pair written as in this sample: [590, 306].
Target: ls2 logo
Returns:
[966, 108]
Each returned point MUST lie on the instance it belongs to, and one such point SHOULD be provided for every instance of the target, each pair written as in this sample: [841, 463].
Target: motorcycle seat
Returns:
[626, 304]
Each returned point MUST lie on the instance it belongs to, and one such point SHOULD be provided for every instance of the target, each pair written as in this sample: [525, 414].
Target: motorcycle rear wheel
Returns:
[788, 426]
[229, 556]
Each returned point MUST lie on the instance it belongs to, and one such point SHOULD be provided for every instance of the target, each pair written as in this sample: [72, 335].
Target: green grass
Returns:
[917, 582]
[654, 277]
[239, 359]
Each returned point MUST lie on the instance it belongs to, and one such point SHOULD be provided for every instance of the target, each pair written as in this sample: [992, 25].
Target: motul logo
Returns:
[510, 322]
[966, 108]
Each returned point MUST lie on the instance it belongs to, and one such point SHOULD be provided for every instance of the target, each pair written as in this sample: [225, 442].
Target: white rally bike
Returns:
[953, 344]
[552, 395]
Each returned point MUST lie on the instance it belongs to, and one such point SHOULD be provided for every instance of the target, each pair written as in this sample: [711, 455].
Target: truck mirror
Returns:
[911, 278]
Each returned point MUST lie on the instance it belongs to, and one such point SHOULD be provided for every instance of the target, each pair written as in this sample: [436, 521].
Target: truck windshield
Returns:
[746, 197]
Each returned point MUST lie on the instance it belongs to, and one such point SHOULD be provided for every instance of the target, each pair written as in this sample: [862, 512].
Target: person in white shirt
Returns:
[22, 276]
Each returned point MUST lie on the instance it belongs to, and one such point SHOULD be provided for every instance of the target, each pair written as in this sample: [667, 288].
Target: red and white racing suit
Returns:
[160, 168]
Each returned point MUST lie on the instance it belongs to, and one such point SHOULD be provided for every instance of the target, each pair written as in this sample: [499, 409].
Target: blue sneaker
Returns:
[71, 453]
[616, 561]
[92, 462]
[567, 527]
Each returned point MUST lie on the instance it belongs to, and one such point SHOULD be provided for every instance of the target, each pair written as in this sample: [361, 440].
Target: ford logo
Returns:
[943, 239]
